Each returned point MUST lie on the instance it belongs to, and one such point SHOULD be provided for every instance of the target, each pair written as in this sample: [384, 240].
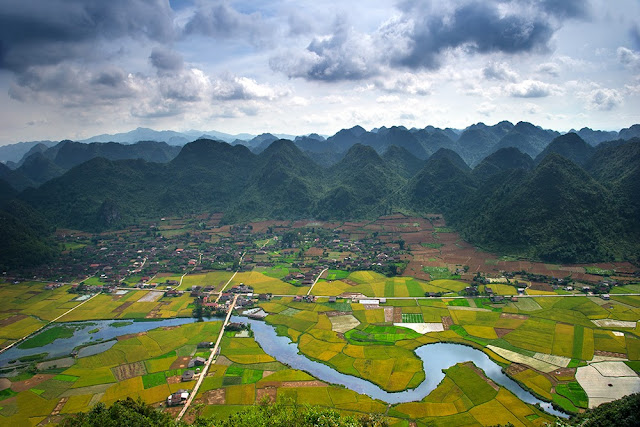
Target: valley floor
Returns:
[357, 297]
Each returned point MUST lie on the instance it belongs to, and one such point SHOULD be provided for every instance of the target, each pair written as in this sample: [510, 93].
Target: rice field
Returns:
[539, 334]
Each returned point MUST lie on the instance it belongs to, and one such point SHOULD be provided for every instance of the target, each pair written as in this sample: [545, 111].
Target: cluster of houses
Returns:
[304, 298]
[307, 278]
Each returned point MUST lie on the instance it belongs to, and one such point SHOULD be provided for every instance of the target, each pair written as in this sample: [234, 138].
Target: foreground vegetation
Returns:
[621, 413]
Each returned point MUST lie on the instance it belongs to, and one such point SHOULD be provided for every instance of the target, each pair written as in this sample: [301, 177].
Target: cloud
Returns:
[229, 87]
[634, 32]
[72, 86]
[343, 55]
[412, 84]
[387, 99]
[219, 20]
[47, 33]
[531, 108]
[548, 68]
[567, 8]
[628, 57]
[604, 99]
[499, 71]
[166, 60]
[423, 33]
[531, 89]
[473, 26]
[486, 108]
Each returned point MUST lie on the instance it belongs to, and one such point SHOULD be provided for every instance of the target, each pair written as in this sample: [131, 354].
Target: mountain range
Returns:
[573, 202]
[472, 143]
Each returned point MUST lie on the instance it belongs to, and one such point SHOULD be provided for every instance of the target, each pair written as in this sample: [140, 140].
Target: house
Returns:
[178, 398]
[265, 297]
[188, 375]
[605, 297]
[497, 299]
[197, 361]
[333, 299]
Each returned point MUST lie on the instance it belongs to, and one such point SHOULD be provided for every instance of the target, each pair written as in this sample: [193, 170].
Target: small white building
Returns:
[178, 398]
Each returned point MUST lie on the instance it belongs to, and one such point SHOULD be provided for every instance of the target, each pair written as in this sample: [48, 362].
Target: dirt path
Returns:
[316, 281]
[206, 366]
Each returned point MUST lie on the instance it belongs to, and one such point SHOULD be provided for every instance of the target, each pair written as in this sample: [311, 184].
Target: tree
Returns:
[127, 412]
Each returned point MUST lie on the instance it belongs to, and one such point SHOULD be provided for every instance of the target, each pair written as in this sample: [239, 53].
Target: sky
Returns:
[71, 69]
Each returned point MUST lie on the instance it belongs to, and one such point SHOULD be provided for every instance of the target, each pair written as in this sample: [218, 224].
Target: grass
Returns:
[598, 271]
[120, 324]
[245, 376]
[337, 274]
[33, 357]
[7, 393]
[574, 393]
[634, 364]
[153, 380]
[458, 302]
[47, 336]
[383, 335]
[437, 273]
[412, 318]
[463, 333]
[68, 378]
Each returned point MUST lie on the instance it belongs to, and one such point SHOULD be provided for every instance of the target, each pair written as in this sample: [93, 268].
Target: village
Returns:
[141, 257]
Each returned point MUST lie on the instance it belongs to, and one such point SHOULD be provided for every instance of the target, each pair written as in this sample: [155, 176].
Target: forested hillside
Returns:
[573, 203]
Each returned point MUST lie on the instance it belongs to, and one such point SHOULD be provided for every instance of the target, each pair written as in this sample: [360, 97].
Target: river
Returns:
[435, 357]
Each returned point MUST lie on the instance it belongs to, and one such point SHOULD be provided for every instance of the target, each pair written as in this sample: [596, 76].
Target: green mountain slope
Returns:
[441, 186]
[570, 146]
[502, 160]
[557, 212]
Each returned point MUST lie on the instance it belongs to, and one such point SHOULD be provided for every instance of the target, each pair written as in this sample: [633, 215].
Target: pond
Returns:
[435, 358]
[85, 333]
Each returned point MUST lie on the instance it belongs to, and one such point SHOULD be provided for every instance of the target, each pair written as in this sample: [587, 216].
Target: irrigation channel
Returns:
[435, 357]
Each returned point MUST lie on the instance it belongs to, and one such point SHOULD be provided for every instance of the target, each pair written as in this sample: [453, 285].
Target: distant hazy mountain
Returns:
[43, 163]
[630, 132]
[15, 152]
[595, 137]
[168, 136]
[527, 138]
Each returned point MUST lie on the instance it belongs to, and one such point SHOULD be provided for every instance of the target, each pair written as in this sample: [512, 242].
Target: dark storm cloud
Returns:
[112, 78]
[475, 26]
[219, 20]
[71, 86]
[634, 32]
[567, 8]
[166, 60]
[34, 32]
